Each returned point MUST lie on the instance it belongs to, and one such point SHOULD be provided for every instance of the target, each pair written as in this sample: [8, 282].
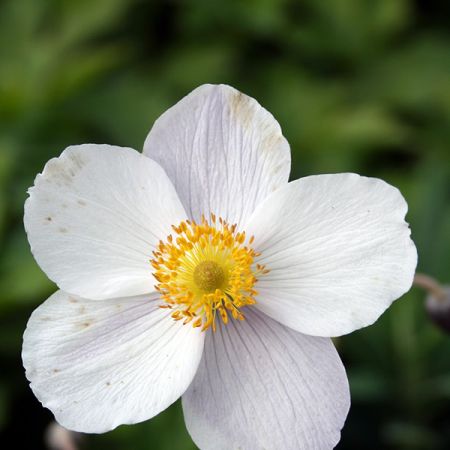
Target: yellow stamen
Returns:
[206, 270]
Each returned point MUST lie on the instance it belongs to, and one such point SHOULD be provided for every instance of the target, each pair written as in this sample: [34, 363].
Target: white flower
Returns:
[203, 232]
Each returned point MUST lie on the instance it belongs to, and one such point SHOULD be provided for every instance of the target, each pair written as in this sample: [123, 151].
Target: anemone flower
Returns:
[196, 270]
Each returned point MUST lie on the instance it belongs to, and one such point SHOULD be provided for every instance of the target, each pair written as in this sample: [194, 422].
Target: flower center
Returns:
[206, 270]
[209, 276]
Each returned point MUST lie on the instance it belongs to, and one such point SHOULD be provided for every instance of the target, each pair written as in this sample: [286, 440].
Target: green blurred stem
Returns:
[431, 285]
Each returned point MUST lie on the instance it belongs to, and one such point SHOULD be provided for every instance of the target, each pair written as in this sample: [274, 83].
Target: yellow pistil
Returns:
[206, 269]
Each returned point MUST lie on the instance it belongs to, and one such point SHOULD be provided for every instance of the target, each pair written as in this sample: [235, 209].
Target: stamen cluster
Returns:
[206, 269]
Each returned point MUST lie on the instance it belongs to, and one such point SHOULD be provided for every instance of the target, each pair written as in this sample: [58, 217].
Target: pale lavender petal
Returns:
[222, 150]
[100, 364]
[261, 385]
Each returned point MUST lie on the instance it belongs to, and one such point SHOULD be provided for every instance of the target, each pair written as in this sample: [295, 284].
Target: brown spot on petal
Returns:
[78, 161]
[241, 108]
[245, 111]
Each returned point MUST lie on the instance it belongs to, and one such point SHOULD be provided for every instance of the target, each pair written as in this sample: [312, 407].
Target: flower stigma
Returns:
[206, 270]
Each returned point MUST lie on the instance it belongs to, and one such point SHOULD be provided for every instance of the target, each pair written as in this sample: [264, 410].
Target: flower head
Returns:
[196, 270]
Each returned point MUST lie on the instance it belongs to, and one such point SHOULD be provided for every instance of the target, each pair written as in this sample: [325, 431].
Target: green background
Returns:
[357, 85]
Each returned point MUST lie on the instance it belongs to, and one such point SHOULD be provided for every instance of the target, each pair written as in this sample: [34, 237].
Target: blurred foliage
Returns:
[357, 85]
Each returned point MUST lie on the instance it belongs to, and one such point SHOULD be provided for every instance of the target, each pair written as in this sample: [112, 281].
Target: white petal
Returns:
[222, 150]
[99, 364]
[94, 216]
[261, 385]
[338, 250]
